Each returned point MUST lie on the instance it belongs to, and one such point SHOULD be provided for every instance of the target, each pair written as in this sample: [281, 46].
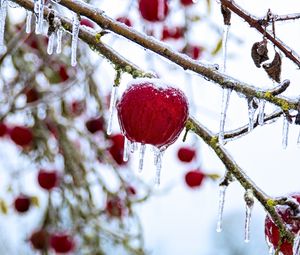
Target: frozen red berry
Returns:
[77, 107]
[125, 21]
[3, 129]
[63, 73]
[172, 33]
[62, 243]
[187, 2]
[87, 23]
[194, 178]
[186, 154]
[154, 10]
[32, 95]
[290, 218]
[151, 114]
[21, 135]
[40, 240]
[193, 51]
[22, 203]
[48, 179]
[95, 124]
[115, 207]
[116, 149]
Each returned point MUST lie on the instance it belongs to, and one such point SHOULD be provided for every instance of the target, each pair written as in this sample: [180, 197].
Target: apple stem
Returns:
[75, 33]
[3, 12]
[285, 132]
[28, 22]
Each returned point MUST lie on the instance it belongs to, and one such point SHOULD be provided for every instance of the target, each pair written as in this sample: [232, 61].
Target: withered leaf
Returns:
[259, 53]
[273, 69]
[226, 15]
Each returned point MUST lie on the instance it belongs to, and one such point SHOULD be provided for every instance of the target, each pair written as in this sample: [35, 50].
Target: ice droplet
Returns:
[75, 32]
[249, 199]
[141, 156]
[225, 103]
[251, 112]
[127, 146]
[296, 246]
[3, 12]
[58, 40]
[28, 22]
[39, 11]
[222, 192]
[261, 112]
[112, 106]
[51, 44]
[285, 132]
[224, 47]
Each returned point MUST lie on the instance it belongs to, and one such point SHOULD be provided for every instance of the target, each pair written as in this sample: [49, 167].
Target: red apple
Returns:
[94, 125]
[62, 243]
[3, 129]
[194, 178]
[154, 10]
[21, 135]
[22, 203]
[48, 179]
[186, 154]
[116, 149]
[150, 114]
[40, 240]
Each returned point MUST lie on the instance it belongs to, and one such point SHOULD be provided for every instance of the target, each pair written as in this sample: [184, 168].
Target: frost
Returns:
[224, 47]
[261, 112]
[75, 33]
[251, 113]
[58, 40]
[127, 146]
[222, 193]
[249, 199]
[112, 106]
[3, 12]
[285, 132]
[39, 11]
[225, 103]
[141, 156]
[296, 246]
[51, 44]
[28, 22]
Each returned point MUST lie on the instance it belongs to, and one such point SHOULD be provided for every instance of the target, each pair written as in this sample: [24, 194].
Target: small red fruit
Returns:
[186, 154]
[95, 124]
[193, 51]
[47, 179]
[77, 107]
[32, 95]
[172, 33]
[115, 207]
[40, 240]
[116, 150]
[22, 203]
[125, 21]
[187, 2]
[150, 114]
[154, 10]
[21, 135]
[63, 73]
[194, 178]
[3, 129]
[62, 243]
[289, 217]
[87, 22]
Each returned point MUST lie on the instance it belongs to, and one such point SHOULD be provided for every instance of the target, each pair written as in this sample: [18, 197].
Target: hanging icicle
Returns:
[75, 32]
[133, 147]
[58, 40]
[225, 103]
[261, 112]
[3, 12]
[28, 22]
[127, 145]
[222, 192]
[158, 154]
[224, 47]
[142, 155]
[39, 11]
[249, 199]
[51, 44]
[251, 113]
[112, 106]
[285, 132]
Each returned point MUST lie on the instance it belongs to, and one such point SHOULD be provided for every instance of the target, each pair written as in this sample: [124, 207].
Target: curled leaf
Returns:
[259, 53]
[273, 69]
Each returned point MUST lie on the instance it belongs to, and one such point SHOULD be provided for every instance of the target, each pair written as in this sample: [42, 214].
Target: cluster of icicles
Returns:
[39, 29]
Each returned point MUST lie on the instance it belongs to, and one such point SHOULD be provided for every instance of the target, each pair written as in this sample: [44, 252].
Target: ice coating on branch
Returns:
[39, 11]
[249, 199]
[222, 192]
[225, 103]
[261, 112]
[51, 44]
[141, 156]
[251, 113]
[28, 22]
[75, 33]
[58, 40]
[224, 47]
[296, 246]
[285, 132]
[3, 11]
[127, 146]
[112, 107]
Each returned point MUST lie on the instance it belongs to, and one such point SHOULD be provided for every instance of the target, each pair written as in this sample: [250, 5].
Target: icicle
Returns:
[285, 132]
[75, 32]
[271, 250]
[296, 246]
[28, 22]
[127, 145]
[251, 112]
[261, 112]
[51, 44]
[225, 103]
[112, 104]
[249, 199]
[298, 140]
[224, 47]
[222, 192]
[58, 40]
[39, 9]
[158, 167]
[142, 154]
[3, 11]
[133, 147]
